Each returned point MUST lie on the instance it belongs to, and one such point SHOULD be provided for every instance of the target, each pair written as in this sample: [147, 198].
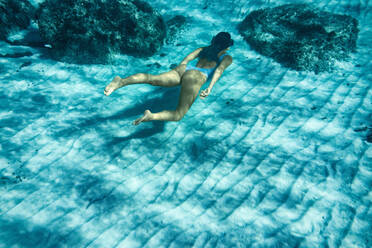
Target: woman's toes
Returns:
[146, 117]
[112, 86]
[108, 90]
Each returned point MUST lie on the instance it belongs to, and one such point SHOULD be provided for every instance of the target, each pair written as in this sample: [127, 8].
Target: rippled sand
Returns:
[272, 158]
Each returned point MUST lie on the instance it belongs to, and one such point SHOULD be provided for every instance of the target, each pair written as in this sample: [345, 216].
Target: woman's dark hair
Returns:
[219, 42]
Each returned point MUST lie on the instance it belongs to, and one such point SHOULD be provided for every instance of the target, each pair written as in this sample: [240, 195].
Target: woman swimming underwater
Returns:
[213, 60]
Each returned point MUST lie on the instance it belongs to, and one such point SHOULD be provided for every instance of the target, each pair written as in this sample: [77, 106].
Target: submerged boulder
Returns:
[175, 27]
[300, 36]
[14, 16]
[87, 31]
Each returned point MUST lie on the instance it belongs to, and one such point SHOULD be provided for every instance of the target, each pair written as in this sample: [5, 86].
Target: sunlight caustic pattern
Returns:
[272, 158]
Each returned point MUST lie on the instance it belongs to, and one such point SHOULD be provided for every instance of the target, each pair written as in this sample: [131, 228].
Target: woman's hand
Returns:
[205, 93]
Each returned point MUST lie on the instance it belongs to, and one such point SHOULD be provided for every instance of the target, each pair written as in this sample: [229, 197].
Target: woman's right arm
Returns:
[226, 62]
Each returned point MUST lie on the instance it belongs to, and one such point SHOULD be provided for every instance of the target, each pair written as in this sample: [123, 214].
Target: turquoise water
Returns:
[271, 158]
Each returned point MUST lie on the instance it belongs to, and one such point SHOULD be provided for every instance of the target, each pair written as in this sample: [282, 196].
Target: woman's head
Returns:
[219, 43]
[222, 40]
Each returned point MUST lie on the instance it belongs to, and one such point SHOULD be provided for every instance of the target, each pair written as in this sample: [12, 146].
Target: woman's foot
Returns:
[146, 117]
[114, 85]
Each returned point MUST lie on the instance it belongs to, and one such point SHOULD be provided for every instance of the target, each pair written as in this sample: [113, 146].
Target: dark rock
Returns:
[14, 16]
[360, 129]
[88, 31]
[30, 37]
[10, 179]
[175, 26]
[16, 55]
[157, 65]
[300, 36]
[25, 64]
[172, 66]
[369, 135]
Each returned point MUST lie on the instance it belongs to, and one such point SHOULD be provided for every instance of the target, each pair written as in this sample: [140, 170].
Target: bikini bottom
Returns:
[206, 72]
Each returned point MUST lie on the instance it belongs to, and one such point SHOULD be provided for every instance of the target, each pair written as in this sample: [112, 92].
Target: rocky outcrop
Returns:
[86, 31]
[175, 27]
[14, 16]
[300, 36]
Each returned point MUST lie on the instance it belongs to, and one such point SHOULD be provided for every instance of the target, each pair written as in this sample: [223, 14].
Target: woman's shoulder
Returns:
[225, 60]
[222, 56]
[199, 50]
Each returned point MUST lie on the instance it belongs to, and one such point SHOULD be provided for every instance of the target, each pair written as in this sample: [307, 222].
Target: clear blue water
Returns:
[272, 158]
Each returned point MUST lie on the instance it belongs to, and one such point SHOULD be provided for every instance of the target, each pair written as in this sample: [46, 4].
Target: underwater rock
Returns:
[172, 66]
[88, 31]
[14, 16]
[16, 54]
[29, 37]
[175, 27]
[369, 135]
[300, 36]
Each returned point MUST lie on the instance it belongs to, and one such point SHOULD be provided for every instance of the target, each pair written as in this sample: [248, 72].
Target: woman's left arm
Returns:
[191, 56]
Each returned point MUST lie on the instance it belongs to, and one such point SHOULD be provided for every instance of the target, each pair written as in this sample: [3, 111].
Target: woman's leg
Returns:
[167, 79]
[191, 83]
